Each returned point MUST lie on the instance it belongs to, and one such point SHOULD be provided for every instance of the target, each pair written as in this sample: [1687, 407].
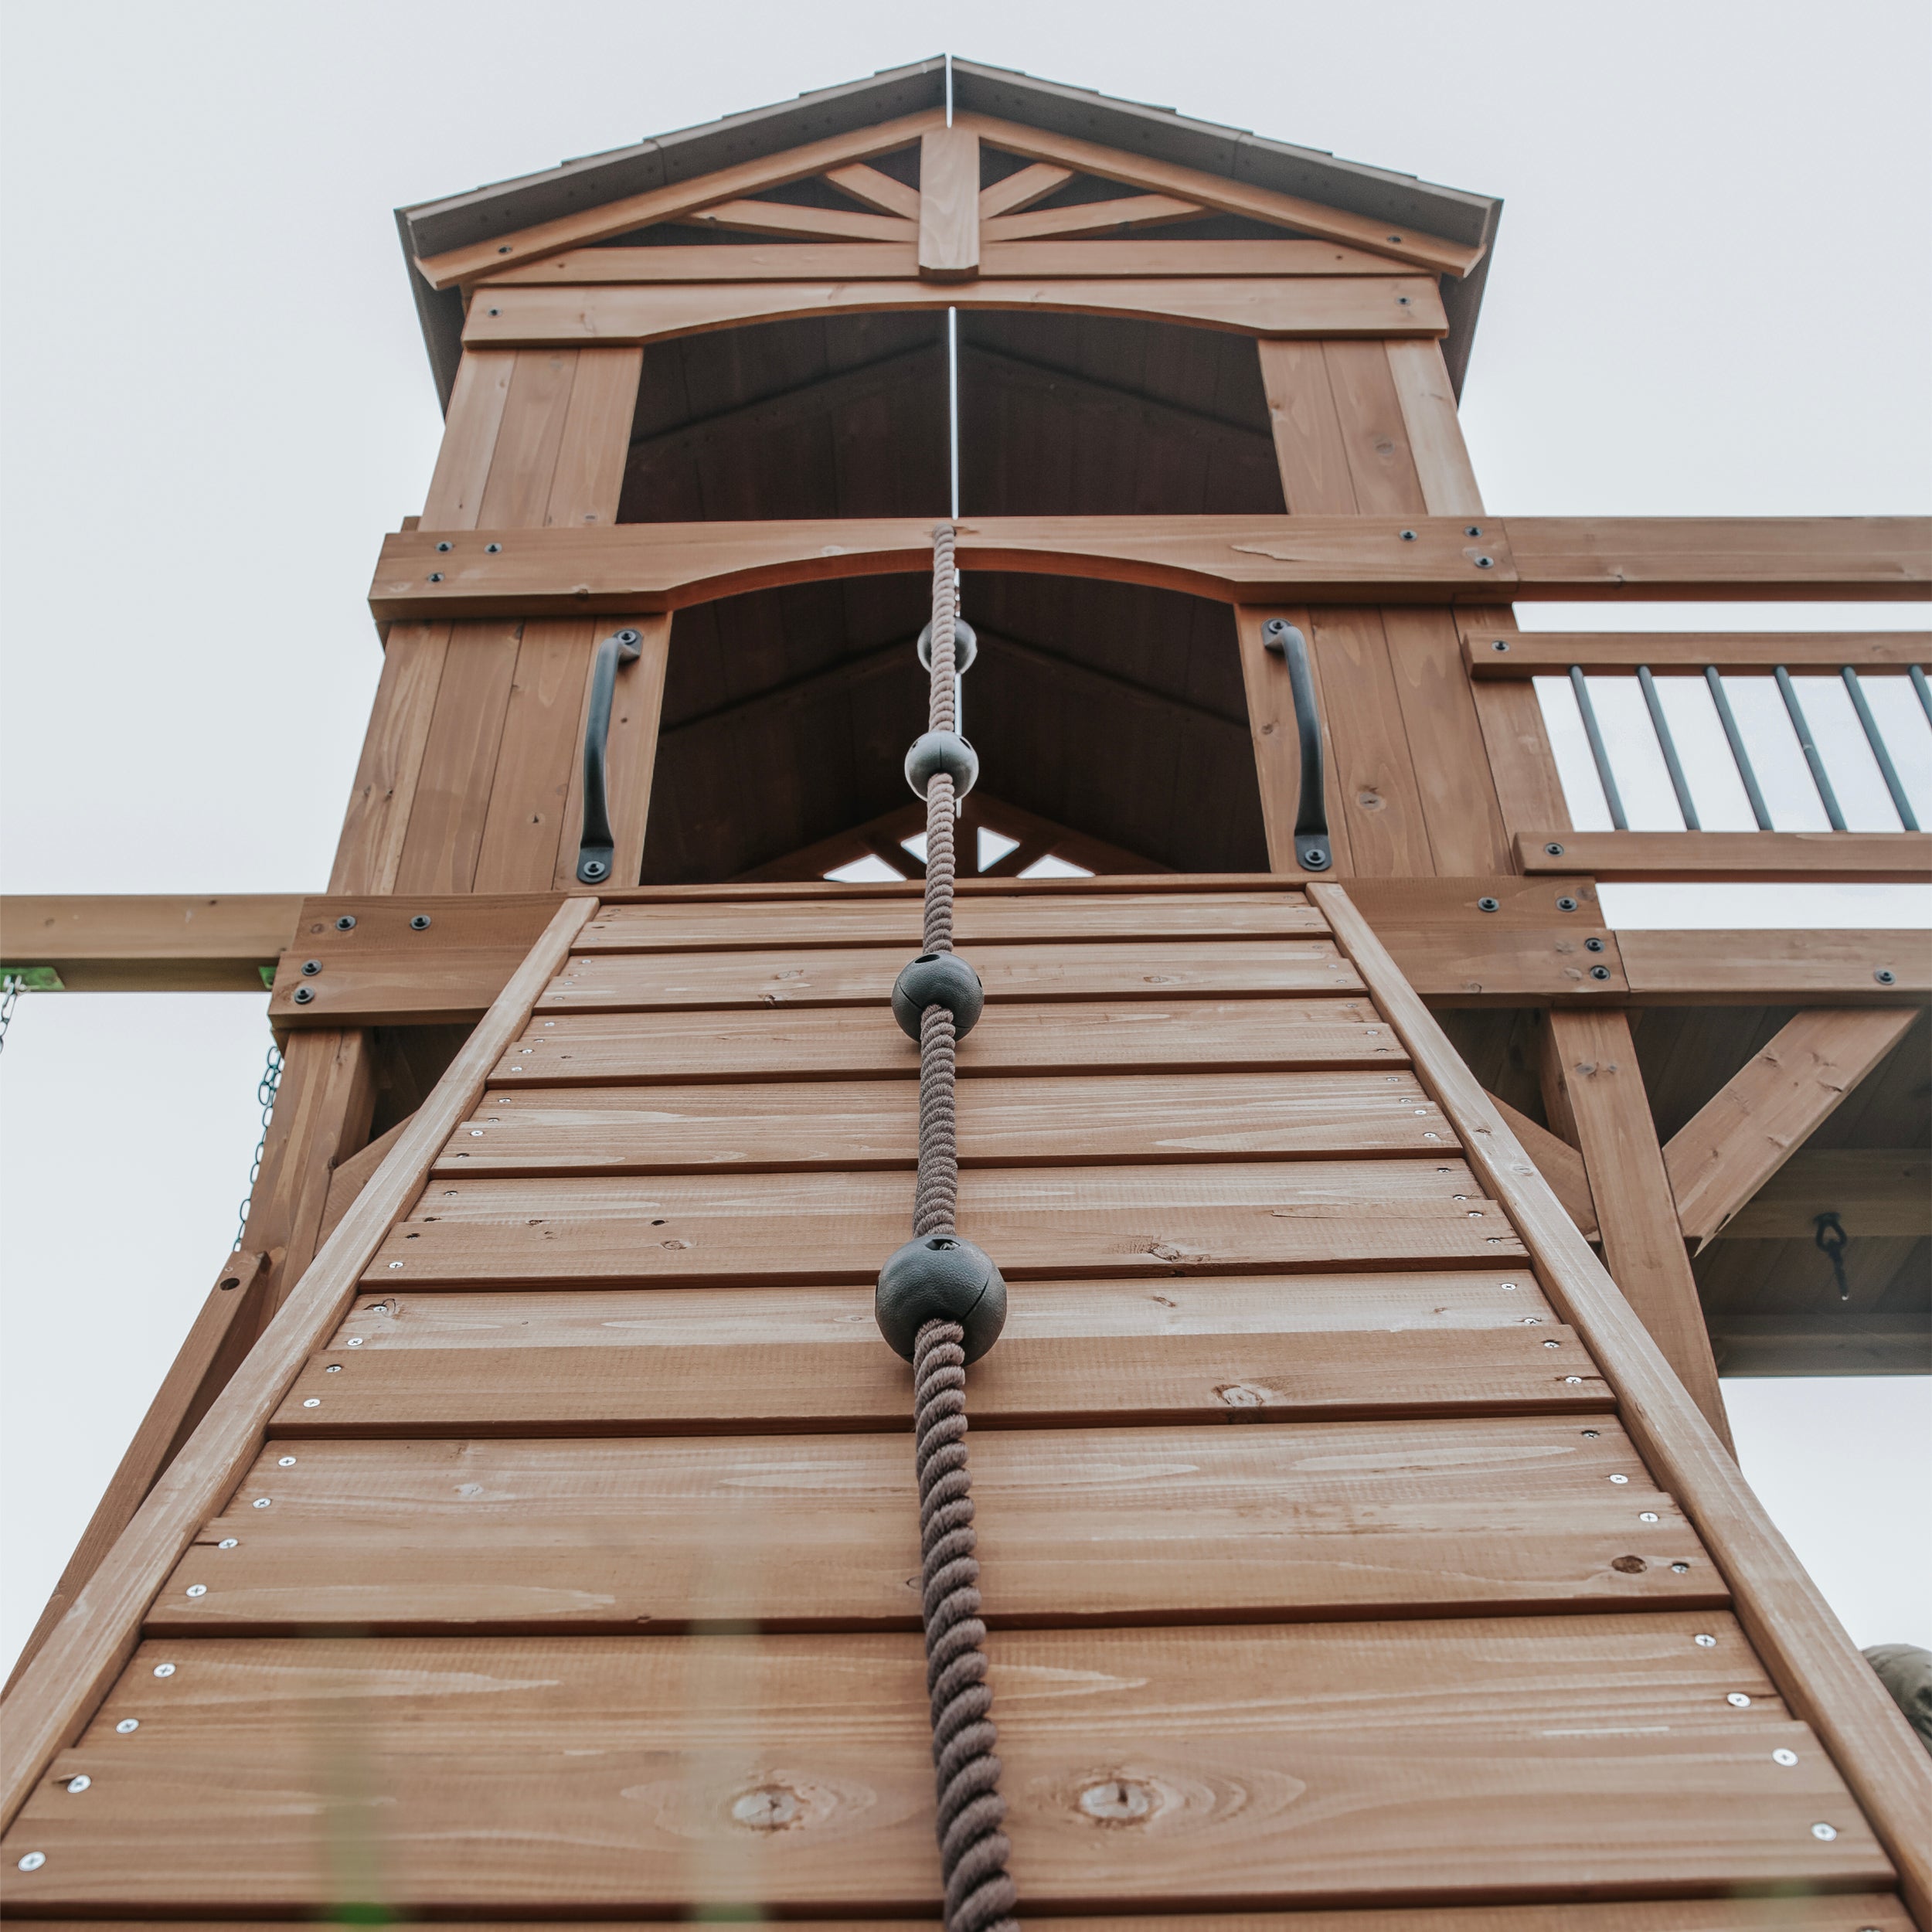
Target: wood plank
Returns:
[523, 464]
[1375, 438]
[1307, 432]
[1747, 1130]
[1558, 1163]
[1191, 1525]
[1517, 740]
[861, 976]
[1433, 428]
[1581, 1744]
[810, 224]
[1494, 654]
[348, 1178]
[370, 852]
[1785, 1616]
[1252, 559]
[588, 225]
[1069, 1120]
[830, 1043]
[1904, 857]
[126, 942]
[1834, 1342]
[877, 189]
[1593, 1092]
[1093, 218]
[563, 316]
[893, 261]
[987, 919]
[1775, 967]
[539, 748]
[1881, 1191]
[470, 428]
[1022, 188]
[1225, 196]
[729, 1386]
[949, 203]
[59, 1691]
[587, 478]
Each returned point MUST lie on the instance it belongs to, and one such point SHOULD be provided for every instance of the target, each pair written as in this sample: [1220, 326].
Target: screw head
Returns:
[436, 576]
[304, 994]
[163, 1670]
[1648, 1516]
[1884, 976]
[1705, 1641]
[1474, 529]
[1577, 1380]
[198, 1590]
[1681, 1570]
[446, 545]
[33, 1861]
[312, 1402]
[1554, 850]
[334, 1369]
[1781, 1756]
[262, 1502]
[1485, 563]
[356, 1340]
[229, 1543]
[285, 1462]
[1738, 1701]
[420, 923]
[1593, 945]
[127, 1724]
[1600, 972]
[1408, 536]
[1497, 644]
[593, 869]
[1486, 904]
[1619, 1479]
[492, 549]
[1824, 1833]
[310, 968]
[1566, 904]
[346, 923]
[77, 1783]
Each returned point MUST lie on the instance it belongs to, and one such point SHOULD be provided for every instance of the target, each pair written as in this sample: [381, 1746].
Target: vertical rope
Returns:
[973, 1849]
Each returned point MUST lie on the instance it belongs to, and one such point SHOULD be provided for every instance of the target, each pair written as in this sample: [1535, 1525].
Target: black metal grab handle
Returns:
[597, 847]
[1311, 849]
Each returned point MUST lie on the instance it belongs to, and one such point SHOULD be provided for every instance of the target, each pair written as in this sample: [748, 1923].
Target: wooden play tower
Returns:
[527, 1531]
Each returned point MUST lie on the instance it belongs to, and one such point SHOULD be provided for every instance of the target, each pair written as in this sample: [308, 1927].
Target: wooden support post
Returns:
[949, 205]
[1558, 1162]
[1594, 1094]
[1754, 1122]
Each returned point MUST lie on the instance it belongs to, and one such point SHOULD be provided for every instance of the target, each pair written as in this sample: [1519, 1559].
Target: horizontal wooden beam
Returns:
[1093, 218]
[149, 942]
[1842, 967]
[787, 218]
[899, 261]
[1823, 1343]
[570, 315]
[1881, 1192]
[1902, 857]
[1549, 653]
[635, 567]
[628, 212]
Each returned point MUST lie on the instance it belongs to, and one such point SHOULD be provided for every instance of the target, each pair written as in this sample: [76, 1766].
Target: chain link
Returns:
[266, 1089]
[10, 991]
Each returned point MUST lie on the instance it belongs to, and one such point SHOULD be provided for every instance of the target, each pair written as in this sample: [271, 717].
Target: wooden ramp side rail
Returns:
[1810, 1659]
[59, 1690]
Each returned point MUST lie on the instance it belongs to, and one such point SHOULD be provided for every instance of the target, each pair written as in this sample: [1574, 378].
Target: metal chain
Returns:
[11, 988]
[266, 1089]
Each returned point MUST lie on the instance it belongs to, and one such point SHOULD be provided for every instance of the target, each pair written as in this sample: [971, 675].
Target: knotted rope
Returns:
[973, 1849]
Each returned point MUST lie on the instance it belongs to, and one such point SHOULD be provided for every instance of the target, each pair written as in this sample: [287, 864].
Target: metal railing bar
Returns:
[1605, 776]
[1820, 778]
[1740, 756]
[1887, 770]
[1667, 745]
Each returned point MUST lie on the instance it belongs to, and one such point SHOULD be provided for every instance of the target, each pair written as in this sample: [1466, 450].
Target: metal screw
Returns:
[285, 1462]
[593, 869]
[497, 311]
[346, 923]
[1600, 972]
[127, 1724]
[163, 1670]
[476, 1134]
[312, 1402]
[1573, 1378]
[1781, 1756]
[80, 1781]
[1408, 536]
[380, 1307]
[1704, 1642]
[446, 545]
[304, 994]
[1566, 904]
[229, 1543]
[1497, 644]
[1529, 1320]
[1619, 1479]
[310, 968]
[1402, 302]
[334, 1369]
[262, 1502]
[1489, 905]
[420, 923]
[1552, 1344]
[1554, 850]
[1593, 945]
[1647, 1516]
[1824, 1832]
[33, 1861]
[1593, 1433]
[198, 1590]
[436, 576]
[1475, 529]
[1738, 1701]
[1511, 1286]
[355, 1341]
[1485, 563]
[492, 549]
[1884, 976]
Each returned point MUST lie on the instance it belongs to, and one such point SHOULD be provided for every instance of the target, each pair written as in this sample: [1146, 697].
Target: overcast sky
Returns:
[1710, 296]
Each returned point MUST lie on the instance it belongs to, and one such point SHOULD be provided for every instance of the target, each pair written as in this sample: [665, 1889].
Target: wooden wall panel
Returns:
[469, 431]
[369, 853]
[532, 780]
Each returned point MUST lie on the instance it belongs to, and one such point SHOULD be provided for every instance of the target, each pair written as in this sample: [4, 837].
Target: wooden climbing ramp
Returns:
[529, 1533]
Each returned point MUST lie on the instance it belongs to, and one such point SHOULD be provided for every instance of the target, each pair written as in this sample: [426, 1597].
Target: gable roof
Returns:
[431, 228]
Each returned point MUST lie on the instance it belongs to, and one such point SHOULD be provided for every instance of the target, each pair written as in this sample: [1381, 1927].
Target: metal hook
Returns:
[1830, 1236]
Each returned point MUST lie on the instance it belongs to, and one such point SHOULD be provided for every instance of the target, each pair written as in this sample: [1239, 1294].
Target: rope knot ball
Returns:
[937, 979]
[940, 1278]
[942, 754]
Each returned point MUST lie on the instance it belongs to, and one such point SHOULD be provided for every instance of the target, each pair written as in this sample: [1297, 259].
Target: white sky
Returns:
[1710, 296]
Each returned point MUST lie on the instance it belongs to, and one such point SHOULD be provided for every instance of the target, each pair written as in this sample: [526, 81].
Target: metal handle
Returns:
[1311, 849]
[597, 847]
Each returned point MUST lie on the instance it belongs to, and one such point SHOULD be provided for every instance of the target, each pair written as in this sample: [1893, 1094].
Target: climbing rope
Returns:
[941, 1303]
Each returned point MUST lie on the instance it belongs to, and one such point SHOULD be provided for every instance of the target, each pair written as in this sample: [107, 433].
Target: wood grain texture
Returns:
[60, 1690]
[1263, 1765]
[536, 755]
[949, 204]
[1094, 218]
[813, 224]
[470, 428]
[1307, 431]
[1188, 1526]
[1813, 1662]
[976, 921]
[1068, 1121]
[149, 942]
[528, 437]
[861, 975]
[550, 318]
[1794, 967]
[370, 852]
[1433, 428]
[1375, 438]
[1592, 1083]
[1903, 857]
[587, 478]
[1558, 1163]
[829, 1042]
[877, 189]
[1549, 653]
[1747, 1130]
[1882, 1191]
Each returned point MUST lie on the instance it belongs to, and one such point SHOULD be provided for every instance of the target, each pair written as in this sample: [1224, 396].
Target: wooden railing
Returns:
[1808, 772]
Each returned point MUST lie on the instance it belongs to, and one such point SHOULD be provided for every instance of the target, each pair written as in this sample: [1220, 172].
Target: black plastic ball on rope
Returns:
[938, 755]
[941, 1277]
[937, 979]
